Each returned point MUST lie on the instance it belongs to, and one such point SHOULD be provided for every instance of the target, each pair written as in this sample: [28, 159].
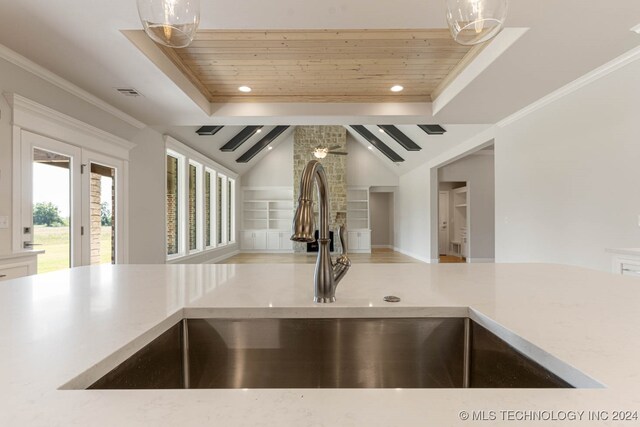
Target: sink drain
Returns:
[391, 298]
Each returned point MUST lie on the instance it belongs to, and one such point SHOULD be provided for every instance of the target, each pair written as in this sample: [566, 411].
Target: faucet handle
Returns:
[342, 232]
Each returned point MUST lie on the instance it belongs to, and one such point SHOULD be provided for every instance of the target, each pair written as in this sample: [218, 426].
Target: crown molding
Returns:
[600, 72]
[34, 117]
[39, 71]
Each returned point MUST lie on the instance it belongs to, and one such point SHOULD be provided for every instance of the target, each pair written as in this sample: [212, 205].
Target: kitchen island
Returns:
[61, 330]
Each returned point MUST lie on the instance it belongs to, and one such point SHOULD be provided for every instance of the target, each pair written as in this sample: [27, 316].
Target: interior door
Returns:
[443, 222]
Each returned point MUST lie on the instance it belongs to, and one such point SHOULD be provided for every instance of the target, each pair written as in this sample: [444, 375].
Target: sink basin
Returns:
[328, 353]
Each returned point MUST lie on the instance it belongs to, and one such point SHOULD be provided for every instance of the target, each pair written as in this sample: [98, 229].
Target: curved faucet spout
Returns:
[327, 274]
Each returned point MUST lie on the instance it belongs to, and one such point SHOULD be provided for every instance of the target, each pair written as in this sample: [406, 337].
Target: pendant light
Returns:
[475, 21]
[171, 23]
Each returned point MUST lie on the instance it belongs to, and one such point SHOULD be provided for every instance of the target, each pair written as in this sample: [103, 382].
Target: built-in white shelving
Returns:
[267, 213]
[358, 219]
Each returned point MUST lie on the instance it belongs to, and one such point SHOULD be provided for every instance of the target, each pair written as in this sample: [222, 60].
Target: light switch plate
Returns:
[4, 222]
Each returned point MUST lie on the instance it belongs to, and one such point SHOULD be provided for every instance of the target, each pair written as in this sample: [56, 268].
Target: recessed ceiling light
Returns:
[270, 148]
[245, 89]
[381, 130]
[259, 130]
[397, 88]
[370, 147]
[636, 29]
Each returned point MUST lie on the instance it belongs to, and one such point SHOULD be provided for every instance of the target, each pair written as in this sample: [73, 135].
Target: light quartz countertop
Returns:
[56, 327]
[22, 254]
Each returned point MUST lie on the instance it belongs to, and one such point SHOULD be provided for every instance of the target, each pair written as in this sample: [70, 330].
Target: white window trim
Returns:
[190, 156]
[232, 199]
[212, 205]
[182, 221]
[199, 209]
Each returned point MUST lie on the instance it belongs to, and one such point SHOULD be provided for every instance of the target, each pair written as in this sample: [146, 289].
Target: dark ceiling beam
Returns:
[208, 130]
[262, 144]
[240, 138]
[376, 142]
[400, 137]
[433, 129]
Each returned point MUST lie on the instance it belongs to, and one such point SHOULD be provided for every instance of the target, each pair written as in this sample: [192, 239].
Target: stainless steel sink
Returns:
[328, 353]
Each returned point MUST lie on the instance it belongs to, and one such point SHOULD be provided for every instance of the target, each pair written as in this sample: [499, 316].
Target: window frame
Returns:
[188, 157]
[181, 223]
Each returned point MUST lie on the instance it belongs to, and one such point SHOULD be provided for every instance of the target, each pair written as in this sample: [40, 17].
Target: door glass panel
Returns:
[102, 204]
[51, 209]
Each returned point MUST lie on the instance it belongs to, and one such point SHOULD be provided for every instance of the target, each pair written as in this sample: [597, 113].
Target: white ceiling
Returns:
[80, 40]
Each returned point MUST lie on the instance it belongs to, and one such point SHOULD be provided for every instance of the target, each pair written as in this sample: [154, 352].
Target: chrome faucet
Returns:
[328, 274]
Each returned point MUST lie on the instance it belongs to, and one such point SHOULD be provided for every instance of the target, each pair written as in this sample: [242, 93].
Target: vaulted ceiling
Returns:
[82, 42]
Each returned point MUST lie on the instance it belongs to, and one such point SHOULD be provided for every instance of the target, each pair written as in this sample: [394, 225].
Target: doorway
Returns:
[453, 241]
[73, 197]
[381, 207]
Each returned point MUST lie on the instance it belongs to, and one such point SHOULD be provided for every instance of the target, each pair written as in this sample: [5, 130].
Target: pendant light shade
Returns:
[475, 21]
[172, 23]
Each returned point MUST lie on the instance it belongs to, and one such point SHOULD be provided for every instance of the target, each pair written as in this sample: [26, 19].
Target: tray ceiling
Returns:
[321, 65]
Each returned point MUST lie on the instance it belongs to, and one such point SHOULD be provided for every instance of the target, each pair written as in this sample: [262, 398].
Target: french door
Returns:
[72, 204]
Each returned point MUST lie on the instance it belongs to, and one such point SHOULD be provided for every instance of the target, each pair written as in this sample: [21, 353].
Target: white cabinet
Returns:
[359, 241]
[253, 240]
[625, 261]
[358, 208]
[358, 232]
[279, 241]
[267, 214]
[13, 266]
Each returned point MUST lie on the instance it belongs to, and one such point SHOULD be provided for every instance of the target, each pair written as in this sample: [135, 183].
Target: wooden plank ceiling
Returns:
[321, 65]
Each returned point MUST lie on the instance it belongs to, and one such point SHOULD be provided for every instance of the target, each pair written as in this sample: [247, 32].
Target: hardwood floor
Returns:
[448, 259]
[377, 256]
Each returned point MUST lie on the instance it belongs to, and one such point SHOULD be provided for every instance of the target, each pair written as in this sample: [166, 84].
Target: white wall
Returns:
[382, 224]
[147, 181]
[412, 213]
[478, 171]
[366, 170]
[275, 169]
[568, 176]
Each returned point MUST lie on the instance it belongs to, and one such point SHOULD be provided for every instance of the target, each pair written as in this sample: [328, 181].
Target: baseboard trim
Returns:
[481, 260]
[381, 246]
[418, 257]
[221, 257]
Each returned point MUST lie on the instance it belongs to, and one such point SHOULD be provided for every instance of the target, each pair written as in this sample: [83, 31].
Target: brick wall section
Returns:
[306, 139]
[95, 218]
[172, 209]
[192, 208]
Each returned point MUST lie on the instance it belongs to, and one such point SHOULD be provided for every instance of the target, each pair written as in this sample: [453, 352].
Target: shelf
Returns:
[357, 201]
[462, 205]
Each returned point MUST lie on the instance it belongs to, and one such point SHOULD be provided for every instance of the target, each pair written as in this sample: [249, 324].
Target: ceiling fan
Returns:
[321, 153]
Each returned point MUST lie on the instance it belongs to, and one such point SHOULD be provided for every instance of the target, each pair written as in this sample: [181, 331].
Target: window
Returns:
[173, 199]
[208, 177]
[220, 210]
[231, 210]
[200, 203]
